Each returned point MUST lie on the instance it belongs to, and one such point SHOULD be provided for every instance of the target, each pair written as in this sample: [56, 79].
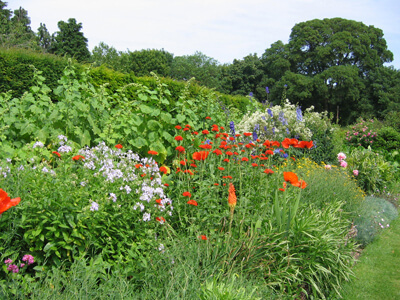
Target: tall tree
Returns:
[70, 41]
[45, 40]
[150, 60]
[203, 68]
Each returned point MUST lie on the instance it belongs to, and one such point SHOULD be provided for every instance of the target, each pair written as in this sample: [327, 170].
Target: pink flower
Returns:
[343, 164]
[28, 258]
[355, 172]
[341, 156]
[328, 167]
[13, 268]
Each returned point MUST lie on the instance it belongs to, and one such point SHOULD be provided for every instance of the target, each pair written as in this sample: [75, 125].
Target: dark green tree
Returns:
[44, 38]
[5, 20]
[108, 56]
[204, 69]
[150, 60]
[243, 77]
[70, 41]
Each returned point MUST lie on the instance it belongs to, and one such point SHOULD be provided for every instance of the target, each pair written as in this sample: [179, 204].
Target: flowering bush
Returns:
[96, 200]
[278, 122]
[361, 134]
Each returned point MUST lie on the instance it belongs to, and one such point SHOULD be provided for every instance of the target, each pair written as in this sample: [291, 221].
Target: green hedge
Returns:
[17, 74]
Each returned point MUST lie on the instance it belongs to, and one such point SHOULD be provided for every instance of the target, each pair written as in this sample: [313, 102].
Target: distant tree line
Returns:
[333, 64]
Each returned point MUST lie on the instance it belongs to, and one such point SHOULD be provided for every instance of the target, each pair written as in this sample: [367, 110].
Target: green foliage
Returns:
[387, 139]
[69, 41]
[374, 172]
[374, 215]
[80, 207]
[143, 62]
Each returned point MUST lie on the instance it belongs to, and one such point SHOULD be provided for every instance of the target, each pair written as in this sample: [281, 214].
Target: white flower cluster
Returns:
[129, 173]
[279, 122]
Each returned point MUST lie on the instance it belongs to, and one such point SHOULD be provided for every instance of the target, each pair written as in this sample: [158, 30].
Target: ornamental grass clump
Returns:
[83, 202]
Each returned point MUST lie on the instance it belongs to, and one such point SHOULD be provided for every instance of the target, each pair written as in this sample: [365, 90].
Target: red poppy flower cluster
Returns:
[78, 157]
[6, 202]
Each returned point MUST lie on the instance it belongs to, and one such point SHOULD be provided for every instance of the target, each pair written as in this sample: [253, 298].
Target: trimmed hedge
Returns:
[17, 74]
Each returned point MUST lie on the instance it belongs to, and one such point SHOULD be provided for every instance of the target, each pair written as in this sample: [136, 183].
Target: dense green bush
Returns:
[387, 139]
[374, 215]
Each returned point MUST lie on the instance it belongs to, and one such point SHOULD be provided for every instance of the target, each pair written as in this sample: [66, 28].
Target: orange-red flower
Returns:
[221, 168]
[208, 118]
[226, 160]
[180, 149]
[232, 200]
[151, 152]
[187, 194]
[294, 180]
[137, 166]
[201, 155]
[78, 157]
[229, 153]
[205, 146]
[118, 146]
[247, 134]
[163, 169]
[192, 202]
[6, 202]
[56, 153]
[304, 144]
[160, 219]
[205, 131]
[268, 171]
[203, 237]
[178, 138]
[289, 142]
[245, 159]
[254, 165]
[217, 152]
[178, 127]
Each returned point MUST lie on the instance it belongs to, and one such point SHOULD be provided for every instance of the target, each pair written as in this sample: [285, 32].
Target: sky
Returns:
[221, 29]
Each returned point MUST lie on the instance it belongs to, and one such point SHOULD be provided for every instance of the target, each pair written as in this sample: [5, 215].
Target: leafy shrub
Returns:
[87, 202]
[387, 139]
[373, 170]
[374, 215]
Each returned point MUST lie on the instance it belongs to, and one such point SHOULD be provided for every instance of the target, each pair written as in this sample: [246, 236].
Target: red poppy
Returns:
[289, 142]
[6, 202]
[245, 159]
[188, 126]
[186, 129]
[247, 134]
[228, 177]
[229, 153]
[290, 177]
[195, 133]
[215, 128]
[164, 170]
[203, 237]
[192, 202]
[221, 168]
[193, 165]
[226, 160]
[56, 153]
[178, 138]
[205, 131]
[268, 171]
[270, 152]
[208, 118]
[187, 194]
[178, 127]
[275, 143]
[304, 144]
[180, 149]
[78, 157]
[231, 138]
[118, 146]
[216, 184]
[201, 155]
[143, 174]
[151, 152]
[183, 163]
[205, 146]
[254, 165]
[166, 184]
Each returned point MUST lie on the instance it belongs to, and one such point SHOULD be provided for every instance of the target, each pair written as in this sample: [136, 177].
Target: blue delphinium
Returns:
[232, 127]
[270, 112]
[282, 119]
[287, 131]
[256, 128]
[267, 89]
[299, 114]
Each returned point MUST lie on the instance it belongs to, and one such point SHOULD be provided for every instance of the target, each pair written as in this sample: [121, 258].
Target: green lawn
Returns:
[378, 269]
